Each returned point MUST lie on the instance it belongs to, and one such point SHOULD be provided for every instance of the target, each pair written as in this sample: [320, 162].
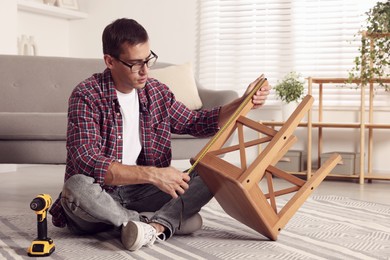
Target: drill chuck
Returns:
[41, 203]
[38, 204]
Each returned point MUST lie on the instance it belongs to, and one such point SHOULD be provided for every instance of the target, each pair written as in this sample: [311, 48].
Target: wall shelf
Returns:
[49, 10]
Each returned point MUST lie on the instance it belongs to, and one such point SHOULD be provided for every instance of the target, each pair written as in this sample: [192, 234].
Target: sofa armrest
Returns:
[213, 98]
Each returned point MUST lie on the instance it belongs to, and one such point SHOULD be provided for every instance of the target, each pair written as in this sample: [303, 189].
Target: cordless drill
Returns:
[42, 245]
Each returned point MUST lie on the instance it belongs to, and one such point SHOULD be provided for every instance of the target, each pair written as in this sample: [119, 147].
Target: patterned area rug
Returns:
[325, 227]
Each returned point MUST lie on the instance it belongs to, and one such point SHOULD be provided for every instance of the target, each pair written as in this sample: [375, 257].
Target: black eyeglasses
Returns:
[135, 67]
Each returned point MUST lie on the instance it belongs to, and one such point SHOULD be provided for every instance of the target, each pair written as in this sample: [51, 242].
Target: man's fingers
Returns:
[174, 194]
[186, 177]
[184, 185]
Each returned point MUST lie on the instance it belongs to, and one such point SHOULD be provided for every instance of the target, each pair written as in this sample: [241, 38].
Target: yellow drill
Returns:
[42, 245]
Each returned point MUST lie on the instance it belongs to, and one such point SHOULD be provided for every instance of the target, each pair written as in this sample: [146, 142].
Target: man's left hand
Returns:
[261, 95]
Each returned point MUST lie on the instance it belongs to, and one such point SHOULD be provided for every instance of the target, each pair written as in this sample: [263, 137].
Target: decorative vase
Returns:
[27, 45]
[22, 45]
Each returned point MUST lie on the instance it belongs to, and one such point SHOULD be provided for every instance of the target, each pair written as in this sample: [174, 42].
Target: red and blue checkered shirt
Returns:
[94, 134]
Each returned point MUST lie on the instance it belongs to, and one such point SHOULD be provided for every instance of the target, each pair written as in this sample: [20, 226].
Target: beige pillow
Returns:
[180, 80]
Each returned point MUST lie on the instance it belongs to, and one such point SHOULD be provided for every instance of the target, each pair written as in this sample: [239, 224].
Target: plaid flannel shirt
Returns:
[94, 132]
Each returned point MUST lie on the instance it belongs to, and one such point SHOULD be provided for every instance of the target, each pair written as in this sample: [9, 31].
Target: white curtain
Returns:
[239, 39]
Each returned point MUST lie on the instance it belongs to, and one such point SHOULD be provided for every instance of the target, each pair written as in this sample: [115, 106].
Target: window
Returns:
[238, 39]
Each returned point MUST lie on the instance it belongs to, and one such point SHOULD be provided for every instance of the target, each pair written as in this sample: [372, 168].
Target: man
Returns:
[118, 148]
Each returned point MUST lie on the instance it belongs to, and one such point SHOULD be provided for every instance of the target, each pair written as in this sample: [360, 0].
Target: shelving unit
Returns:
[362, 125]
[49, 10]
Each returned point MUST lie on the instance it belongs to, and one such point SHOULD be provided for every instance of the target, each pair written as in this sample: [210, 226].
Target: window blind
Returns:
[239, 39]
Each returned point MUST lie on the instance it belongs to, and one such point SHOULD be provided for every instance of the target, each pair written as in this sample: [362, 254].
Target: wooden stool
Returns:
[237, 189]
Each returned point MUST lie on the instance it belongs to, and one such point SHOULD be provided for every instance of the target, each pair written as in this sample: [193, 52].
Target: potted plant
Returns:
[374, 59]
[290, 90]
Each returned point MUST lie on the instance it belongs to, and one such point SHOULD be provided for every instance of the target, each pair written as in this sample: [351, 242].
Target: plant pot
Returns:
[288, 109]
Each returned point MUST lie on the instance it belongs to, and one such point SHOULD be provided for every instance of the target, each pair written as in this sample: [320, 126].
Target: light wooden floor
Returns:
[18, 188]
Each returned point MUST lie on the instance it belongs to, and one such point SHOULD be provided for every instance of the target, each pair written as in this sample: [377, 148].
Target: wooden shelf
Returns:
[319, 124]
[341, 80]
[276, 123]
[362, 125]
[376, 177]
[356, 176]
[49, 10]
[348, 177]
[378, 126]
[336, 125]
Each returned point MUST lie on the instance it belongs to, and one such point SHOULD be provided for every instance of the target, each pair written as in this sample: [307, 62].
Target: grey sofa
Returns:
[33, 107]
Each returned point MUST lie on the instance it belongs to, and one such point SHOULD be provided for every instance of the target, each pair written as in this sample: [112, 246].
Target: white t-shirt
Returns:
[129, 107]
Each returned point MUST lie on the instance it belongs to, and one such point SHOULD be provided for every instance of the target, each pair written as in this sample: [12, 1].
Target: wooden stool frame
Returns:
[237, 189]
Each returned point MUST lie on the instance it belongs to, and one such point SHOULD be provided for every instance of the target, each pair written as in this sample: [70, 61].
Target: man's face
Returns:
[125, 78]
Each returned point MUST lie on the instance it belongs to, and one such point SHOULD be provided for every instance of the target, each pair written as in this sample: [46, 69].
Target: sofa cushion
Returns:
[41, 84]
[32, 126]
[180, 79]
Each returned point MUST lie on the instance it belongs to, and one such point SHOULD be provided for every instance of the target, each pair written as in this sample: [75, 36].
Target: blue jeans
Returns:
[91, 209]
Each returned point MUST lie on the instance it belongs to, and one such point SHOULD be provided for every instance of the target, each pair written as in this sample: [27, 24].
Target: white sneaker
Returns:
[136, 234]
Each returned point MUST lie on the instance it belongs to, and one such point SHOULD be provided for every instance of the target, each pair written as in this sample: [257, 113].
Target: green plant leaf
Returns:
[377, 21]
[291, 88]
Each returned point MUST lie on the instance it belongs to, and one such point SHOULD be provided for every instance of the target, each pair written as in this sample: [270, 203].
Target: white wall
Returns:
[171, 25]
[8, 27]
[51, 35]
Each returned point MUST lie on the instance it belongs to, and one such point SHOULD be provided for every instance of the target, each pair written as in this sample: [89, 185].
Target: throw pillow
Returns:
[180, 80]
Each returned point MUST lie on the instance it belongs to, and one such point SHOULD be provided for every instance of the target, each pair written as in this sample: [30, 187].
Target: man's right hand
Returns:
[169, 179]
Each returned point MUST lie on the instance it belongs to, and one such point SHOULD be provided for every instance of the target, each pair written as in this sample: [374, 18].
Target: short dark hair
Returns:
[121, 31]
